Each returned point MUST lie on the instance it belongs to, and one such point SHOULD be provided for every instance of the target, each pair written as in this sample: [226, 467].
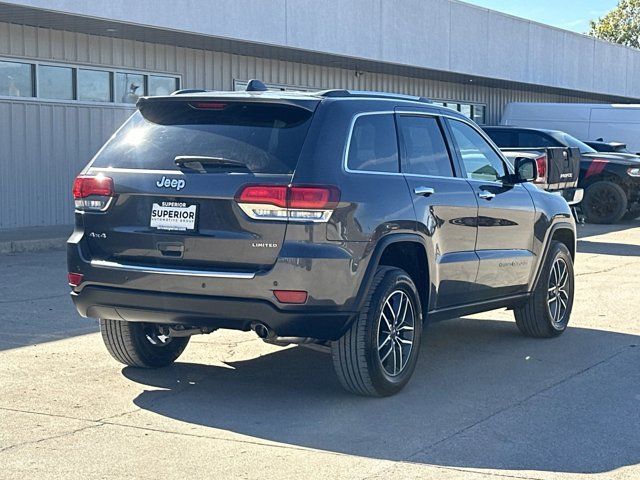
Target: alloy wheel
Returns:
[396, 332]
[558, 297]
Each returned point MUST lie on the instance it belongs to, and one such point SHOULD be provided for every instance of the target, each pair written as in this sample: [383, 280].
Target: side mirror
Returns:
[526, 169]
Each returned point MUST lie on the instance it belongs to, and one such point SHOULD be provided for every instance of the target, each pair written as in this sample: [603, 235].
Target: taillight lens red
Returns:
[264, 194]
[542, 168]
[313, 197]
[288, 202]
[87, 185]
[93, 193]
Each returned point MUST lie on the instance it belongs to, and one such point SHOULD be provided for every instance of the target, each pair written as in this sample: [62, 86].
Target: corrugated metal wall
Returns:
[43, 145]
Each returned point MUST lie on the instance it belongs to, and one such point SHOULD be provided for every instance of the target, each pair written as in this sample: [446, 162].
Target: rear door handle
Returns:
[486, 195]
[424, 191]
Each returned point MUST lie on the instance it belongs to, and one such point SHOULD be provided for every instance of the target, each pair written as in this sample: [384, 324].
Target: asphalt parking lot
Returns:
[485, 402]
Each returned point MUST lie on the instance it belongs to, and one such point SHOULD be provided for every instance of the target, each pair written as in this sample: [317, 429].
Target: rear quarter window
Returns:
[267, 138]
[373, 144]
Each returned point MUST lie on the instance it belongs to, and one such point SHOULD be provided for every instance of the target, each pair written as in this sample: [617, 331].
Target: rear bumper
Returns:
[203, 310]
[573, 196]
[228, 299]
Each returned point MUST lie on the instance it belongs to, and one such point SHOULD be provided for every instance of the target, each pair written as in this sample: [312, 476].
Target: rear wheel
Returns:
[632, 214]
[604, 202]
[378, 354]
[140, 344]
[546, 313]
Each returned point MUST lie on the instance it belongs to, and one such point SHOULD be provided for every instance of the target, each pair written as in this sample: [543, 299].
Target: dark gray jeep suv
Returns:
[341, 220]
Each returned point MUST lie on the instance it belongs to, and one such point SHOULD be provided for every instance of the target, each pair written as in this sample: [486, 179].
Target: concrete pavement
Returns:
[485, 402]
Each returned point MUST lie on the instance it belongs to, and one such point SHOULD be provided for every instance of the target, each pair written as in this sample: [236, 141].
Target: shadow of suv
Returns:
[340, 220]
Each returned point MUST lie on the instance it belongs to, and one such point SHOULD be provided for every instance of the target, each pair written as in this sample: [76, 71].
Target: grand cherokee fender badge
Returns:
[165, 182]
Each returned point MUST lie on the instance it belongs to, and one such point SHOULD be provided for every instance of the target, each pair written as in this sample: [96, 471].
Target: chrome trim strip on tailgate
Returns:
[170, 271]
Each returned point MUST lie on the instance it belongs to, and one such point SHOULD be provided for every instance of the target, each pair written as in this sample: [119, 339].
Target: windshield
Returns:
[266, 138]
[573, 142]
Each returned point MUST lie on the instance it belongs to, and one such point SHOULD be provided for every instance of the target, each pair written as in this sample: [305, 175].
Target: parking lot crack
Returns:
[51, 437]
[33, 299]
[517, 403]
[605, 270]
[386, 472]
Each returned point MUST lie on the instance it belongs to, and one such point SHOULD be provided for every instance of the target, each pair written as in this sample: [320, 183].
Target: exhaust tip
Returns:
[262, 330]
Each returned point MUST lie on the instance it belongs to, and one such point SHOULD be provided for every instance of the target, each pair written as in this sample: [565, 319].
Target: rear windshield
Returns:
[267, 138]
[573, 142]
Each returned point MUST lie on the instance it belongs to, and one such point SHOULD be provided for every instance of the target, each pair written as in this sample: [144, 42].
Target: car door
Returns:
[506, 214]
[445, 205]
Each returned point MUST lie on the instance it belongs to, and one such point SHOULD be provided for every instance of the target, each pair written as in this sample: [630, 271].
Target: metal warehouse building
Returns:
[71, 70]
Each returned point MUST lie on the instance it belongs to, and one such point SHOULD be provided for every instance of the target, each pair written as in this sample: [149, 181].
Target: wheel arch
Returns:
[400, 250]
[563, 232]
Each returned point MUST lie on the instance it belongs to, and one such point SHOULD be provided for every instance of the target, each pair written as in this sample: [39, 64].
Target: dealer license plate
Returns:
[173, 216]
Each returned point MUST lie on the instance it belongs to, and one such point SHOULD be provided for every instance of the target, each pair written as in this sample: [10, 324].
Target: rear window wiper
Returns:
[205, 164]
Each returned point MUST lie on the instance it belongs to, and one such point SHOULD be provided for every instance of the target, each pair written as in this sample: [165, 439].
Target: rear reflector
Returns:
[74, 279]
[291, 296]
[92, 192]
[288, 202]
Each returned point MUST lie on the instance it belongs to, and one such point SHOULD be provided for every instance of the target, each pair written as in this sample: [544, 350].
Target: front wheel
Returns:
[140, 344]
[378, 354]
[546, 313]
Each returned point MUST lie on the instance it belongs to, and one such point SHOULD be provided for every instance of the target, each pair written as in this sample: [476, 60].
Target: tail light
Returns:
[541, 163]
[93, 193]
[288, 202]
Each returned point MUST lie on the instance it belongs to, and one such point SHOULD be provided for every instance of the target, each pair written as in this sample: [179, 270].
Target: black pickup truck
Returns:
[611, 181]
[558, 169]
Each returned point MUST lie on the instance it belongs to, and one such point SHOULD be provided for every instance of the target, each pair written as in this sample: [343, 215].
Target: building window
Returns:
[129, 87]
[55, 82]
[479, 114]
[161, 85]
[474, 111]
[241, 85]
[94, 85]
[16, 79]
[67, 83]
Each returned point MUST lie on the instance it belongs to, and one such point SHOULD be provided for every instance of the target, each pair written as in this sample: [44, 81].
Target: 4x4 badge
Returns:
[165, 182]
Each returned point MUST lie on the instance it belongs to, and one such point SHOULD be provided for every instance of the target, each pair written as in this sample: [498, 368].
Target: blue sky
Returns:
[569, 14]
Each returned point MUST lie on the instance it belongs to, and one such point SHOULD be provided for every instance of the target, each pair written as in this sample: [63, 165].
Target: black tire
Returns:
[132, 343]
[604, 202]
[536, 317]
[356, 361]
[631, 214]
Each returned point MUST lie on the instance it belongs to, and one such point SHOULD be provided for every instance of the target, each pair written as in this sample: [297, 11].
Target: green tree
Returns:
[620, 25]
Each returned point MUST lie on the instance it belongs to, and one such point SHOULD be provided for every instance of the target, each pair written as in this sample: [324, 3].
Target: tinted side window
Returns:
[534, 140]
[425, 152]
[480, 160]
[374, 145]
[503, 138]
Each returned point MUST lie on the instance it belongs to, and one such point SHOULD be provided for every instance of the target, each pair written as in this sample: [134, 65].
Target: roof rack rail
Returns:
[186, 91]
[365, 94]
